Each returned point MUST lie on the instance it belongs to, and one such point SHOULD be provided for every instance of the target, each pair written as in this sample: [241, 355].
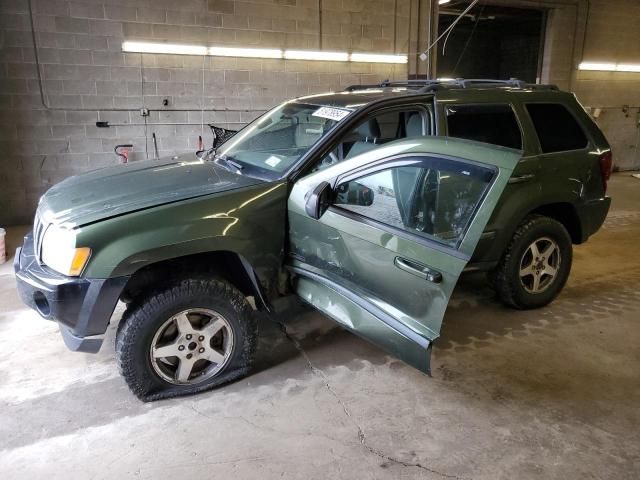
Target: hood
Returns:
[121, 189]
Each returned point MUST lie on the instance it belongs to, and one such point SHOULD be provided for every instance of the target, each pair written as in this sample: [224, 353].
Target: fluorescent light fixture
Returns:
[245, 52]
[316, 55]
[378, 58]
[171, 48]
[180, 49]
[442, 2]
[610, 67]
[605, 67]
[627, 67]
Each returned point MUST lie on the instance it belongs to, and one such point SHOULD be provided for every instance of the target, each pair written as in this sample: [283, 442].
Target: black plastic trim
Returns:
[82, 306]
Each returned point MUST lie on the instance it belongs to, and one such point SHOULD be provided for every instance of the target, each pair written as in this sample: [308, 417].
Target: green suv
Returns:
[368, 204]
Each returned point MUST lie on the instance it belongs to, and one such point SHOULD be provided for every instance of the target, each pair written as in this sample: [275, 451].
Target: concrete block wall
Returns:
[613, 35]
[87, 78]
[603, 31]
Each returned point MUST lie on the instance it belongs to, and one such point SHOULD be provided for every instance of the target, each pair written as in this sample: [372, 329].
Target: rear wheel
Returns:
[188, 338]
[536, 264]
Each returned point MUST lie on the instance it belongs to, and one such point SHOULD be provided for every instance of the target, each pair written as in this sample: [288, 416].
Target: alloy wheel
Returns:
[539, 265]
[191, 346]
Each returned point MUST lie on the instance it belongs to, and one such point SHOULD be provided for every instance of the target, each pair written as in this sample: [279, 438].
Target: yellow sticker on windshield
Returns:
[331, 113]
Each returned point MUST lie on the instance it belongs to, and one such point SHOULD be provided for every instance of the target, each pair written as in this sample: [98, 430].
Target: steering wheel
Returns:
[330, 159]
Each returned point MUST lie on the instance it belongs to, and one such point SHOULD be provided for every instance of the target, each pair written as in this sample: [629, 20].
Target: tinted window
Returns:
[557, 130]
[495, 124]
[436, 198]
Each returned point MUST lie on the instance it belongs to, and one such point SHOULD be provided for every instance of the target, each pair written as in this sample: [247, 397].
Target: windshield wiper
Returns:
[234, 164]
[227, 162]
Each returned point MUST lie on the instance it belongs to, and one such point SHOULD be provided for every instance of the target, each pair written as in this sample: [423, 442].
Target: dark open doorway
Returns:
[491, 42]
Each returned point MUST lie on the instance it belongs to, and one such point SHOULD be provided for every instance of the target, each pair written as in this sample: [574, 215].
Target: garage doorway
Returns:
[491, 42]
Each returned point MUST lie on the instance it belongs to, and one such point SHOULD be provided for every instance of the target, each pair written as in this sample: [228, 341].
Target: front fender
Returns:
[248, 221]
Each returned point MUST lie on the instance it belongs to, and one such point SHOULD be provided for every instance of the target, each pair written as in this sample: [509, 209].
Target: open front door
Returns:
[396, 228]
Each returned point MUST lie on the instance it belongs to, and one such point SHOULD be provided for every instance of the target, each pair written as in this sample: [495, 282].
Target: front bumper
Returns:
[81, 306]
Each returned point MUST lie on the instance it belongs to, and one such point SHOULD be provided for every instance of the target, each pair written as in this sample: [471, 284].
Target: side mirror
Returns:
[354, 193]
[318, 200]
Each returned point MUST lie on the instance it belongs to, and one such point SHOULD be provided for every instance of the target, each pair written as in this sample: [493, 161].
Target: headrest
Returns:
[307, 133]
[414, 125]
[369, 129]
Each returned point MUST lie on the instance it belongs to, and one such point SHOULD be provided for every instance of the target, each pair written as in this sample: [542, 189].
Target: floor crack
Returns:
[361, 435]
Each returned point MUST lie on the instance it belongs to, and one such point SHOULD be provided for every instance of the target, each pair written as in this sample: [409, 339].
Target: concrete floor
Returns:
[546, 394]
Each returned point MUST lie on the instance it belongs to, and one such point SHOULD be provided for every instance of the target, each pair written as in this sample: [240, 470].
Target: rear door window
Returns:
[494, 124]
[557, 129]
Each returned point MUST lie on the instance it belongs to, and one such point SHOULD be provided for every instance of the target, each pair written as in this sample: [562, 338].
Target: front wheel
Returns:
[536, 264]
[189, 338]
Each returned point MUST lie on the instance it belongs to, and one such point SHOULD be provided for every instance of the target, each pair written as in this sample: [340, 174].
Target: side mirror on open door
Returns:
[354, 193]
[318, 200]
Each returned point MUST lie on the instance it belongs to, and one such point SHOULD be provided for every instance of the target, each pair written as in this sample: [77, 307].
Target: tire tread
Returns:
[137, 317]
[502, 277]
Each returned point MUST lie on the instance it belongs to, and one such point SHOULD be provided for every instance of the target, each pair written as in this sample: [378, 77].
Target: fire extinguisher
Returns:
[124, 154]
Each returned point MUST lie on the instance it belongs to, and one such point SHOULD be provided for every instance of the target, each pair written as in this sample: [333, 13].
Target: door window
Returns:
[494, 124]
[557, 130]
[377, 131]
[435, 197]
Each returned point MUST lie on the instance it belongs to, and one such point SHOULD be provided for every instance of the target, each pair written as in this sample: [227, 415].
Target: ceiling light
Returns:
[316, 55]
[245, 52]
[170, 48]
[627, 67]
[605, 67]
[180, 49]
[610, 67]
[442, 2]
[378, 58]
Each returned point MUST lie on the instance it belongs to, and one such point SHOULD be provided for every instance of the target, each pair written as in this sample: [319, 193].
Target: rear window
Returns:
[558, 130]
[494, 124]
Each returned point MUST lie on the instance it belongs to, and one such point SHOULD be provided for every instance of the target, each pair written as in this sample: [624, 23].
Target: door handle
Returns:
[522, 178]
[417, 269]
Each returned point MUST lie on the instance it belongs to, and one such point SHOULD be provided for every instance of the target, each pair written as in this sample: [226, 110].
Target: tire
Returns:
[515, 276]
[207, 319]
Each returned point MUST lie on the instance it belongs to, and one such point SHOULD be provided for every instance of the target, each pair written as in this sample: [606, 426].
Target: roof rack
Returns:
[433, 85]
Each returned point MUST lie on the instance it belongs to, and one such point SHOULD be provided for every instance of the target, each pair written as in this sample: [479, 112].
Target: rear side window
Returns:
[557, 130]
[494, 124]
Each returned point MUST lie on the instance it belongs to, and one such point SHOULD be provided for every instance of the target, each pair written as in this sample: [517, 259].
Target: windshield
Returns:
[274, 142]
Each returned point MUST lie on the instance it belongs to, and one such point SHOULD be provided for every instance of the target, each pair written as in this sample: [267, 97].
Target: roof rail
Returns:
[432, 85]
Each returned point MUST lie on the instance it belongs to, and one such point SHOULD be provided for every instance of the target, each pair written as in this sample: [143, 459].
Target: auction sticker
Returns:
[273, 161]
[331, 113]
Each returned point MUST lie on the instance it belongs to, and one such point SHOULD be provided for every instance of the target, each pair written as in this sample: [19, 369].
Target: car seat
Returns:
[413, 125]
[368, 137]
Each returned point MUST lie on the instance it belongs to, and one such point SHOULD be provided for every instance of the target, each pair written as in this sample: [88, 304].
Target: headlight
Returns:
[60, 253]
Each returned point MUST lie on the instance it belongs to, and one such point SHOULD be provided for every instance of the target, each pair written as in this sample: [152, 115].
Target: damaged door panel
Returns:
[388, 246]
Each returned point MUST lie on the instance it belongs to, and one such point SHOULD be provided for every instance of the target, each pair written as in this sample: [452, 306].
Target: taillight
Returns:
[606, 162]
